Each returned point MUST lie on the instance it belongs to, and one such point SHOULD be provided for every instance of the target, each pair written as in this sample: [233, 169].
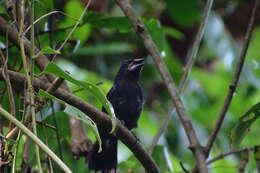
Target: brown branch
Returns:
[191, 56]
[244, 162]
[55, 85]
[4, 61]
[233, 85]
[140, 29]
[221, 156]
[7, 29]
[192, 53]
[100, 118]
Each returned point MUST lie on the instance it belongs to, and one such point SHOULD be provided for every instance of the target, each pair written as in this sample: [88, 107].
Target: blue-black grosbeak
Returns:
[126, 97]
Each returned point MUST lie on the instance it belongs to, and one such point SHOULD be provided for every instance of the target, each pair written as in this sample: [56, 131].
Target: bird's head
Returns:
[130, 69]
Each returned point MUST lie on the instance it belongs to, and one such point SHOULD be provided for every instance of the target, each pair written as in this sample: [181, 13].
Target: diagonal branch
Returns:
[233, 85]
[3, 61]
[191, 56]
[221, 156]
[99, 117]
[192, 53]
[140, 29]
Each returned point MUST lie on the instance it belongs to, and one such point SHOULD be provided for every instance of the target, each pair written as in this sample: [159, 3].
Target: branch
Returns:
[140, 29]
[191, 59]
[99, 117]
[233, 85]
[244, 162]
[221, 156]
[4, 61]
[191, 56]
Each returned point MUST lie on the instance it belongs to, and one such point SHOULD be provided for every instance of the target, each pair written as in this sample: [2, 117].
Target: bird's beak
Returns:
[136, 64]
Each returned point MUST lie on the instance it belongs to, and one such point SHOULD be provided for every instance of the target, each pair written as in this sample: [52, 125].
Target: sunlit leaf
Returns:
[244, 124]
[49, 50]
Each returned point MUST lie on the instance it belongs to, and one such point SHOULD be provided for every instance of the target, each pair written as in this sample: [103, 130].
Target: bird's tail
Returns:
[106, 160]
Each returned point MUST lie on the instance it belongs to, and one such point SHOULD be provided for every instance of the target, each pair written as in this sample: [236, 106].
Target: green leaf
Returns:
[102, 49]
[76, 113]
[49, 50]
[244, 124]
[155, 29]
[52, 68]
[174, 33]
[185, 13]
[121, 24]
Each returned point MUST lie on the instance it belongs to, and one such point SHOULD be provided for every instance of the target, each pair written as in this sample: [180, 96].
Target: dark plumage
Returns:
[127, 99]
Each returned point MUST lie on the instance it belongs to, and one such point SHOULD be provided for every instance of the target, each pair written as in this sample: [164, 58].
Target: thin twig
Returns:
[162, 129]
[49, 162]
[191, 56]
[73, 29]
[55, 85]
[140, 29]
[46, 125]
[183, 168]
[40, 18]
[26, 67]
[56, 30]
[57, 131]
[244, 162]
[221, 156]
[233, 85]
[192, 53]
[8, 83]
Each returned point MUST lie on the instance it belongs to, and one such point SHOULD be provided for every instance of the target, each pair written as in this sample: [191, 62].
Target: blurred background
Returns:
[104, 38]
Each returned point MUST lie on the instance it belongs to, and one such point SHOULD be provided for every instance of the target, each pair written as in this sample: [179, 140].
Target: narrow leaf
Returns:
[52, 68]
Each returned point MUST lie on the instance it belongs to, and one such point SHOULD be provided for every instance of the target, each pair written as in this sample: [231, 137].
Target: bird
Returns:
[126, 97]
